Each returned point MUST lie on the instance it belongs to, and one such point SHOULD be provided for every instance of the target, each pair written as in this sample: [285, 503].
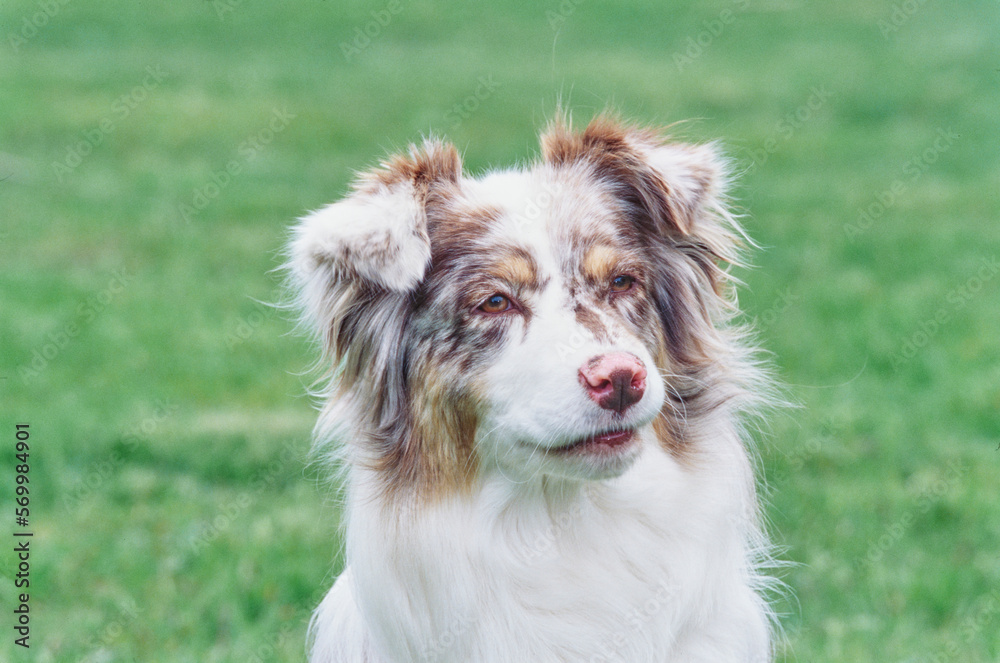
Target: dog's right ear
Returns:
[373, 244]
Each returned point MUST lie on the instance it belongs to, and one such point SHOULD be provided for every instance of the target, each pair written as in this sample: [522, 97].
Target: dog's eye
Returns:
[495, 304]
[622, 283]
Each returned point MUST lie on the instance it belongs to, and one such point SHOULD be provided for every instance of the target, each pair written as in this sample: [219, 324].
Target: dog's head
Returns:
[553, 320]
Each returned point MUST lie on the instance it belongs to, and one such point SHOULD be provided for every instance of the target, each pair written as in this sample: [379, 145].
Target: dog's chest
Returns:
[610, 592]
[600, 577]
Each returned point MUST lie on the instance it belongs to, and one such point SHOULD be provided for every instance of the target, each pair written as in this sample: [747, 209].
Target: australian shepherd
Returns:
[538, 389]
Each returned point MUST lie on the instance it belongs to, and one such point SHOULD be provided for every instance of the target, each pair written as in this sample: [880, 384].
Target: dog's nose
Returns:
[614, 381]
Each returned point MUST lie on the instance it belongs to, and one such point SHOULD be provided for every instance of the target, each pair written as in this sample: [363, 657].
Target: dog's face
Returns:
[542, 315]
[551, 320]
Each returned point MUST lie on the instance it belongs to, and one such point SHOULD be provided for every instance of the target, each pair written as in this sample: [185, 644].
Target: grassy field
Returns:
[153, 155]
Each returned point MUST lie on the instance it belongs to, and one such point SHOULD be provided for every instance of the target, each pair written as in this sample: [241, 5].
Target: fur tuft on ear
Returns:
[374, 240]
[354, 267]
[377, 239]
[677, 186]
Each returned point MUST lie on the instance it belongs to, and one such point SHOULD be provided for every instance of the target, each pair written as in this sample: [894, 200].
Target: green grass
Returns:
[174, 516]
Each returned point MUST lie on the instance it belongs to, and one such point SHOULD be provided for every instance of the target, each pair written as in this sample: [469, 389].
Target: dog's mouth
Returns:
[602, 444]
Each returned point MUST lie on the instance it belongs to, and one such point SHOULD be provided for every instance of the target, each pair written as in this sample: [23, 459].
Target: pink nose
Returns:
[614, 381]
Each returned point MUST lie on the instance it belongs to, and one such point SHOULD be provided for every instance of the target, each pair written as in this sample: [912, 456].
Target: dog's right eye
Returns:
[495, 304]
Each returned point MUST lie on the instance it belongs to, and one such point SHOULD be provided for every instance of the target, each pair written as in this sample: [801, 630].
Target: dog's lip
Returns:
[608, 441]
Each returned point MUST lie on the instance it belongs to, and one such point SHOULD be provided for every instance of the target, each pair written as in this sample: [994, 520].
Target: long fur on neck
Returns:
[454, 556]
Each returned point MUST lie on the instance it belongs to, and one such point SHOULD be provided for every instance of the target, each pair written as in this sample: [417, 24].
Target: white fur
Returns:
[533, 384]
[650, 566]
[366, 225]
[653, 559]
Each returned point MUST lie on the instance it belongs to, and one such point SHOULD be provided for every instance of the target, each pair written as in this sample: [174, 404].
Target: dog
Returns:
[538, 389]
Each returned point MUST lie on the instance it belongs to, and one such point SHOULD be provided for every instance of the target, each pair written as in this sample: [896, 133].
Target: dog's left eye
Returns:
[495, 304]
[622, 283]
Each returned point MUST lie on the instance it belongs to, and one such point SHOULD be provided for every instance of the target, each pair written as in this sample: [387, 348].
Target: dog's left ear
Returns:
[676, 186]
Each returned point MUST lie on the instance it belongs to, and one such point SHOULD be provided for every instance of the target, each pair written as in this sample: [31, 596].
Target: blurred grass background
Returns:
[174, 515]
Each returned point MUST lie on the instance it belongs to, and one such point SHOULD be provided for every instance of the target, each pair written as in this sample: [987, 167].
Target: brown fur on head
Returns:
[675, 196]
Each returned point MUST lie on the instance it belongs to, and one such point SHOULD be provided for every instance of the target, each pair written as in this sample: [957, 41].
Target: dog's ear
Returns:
[371, 246]
[674, 194]
[676, 187]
